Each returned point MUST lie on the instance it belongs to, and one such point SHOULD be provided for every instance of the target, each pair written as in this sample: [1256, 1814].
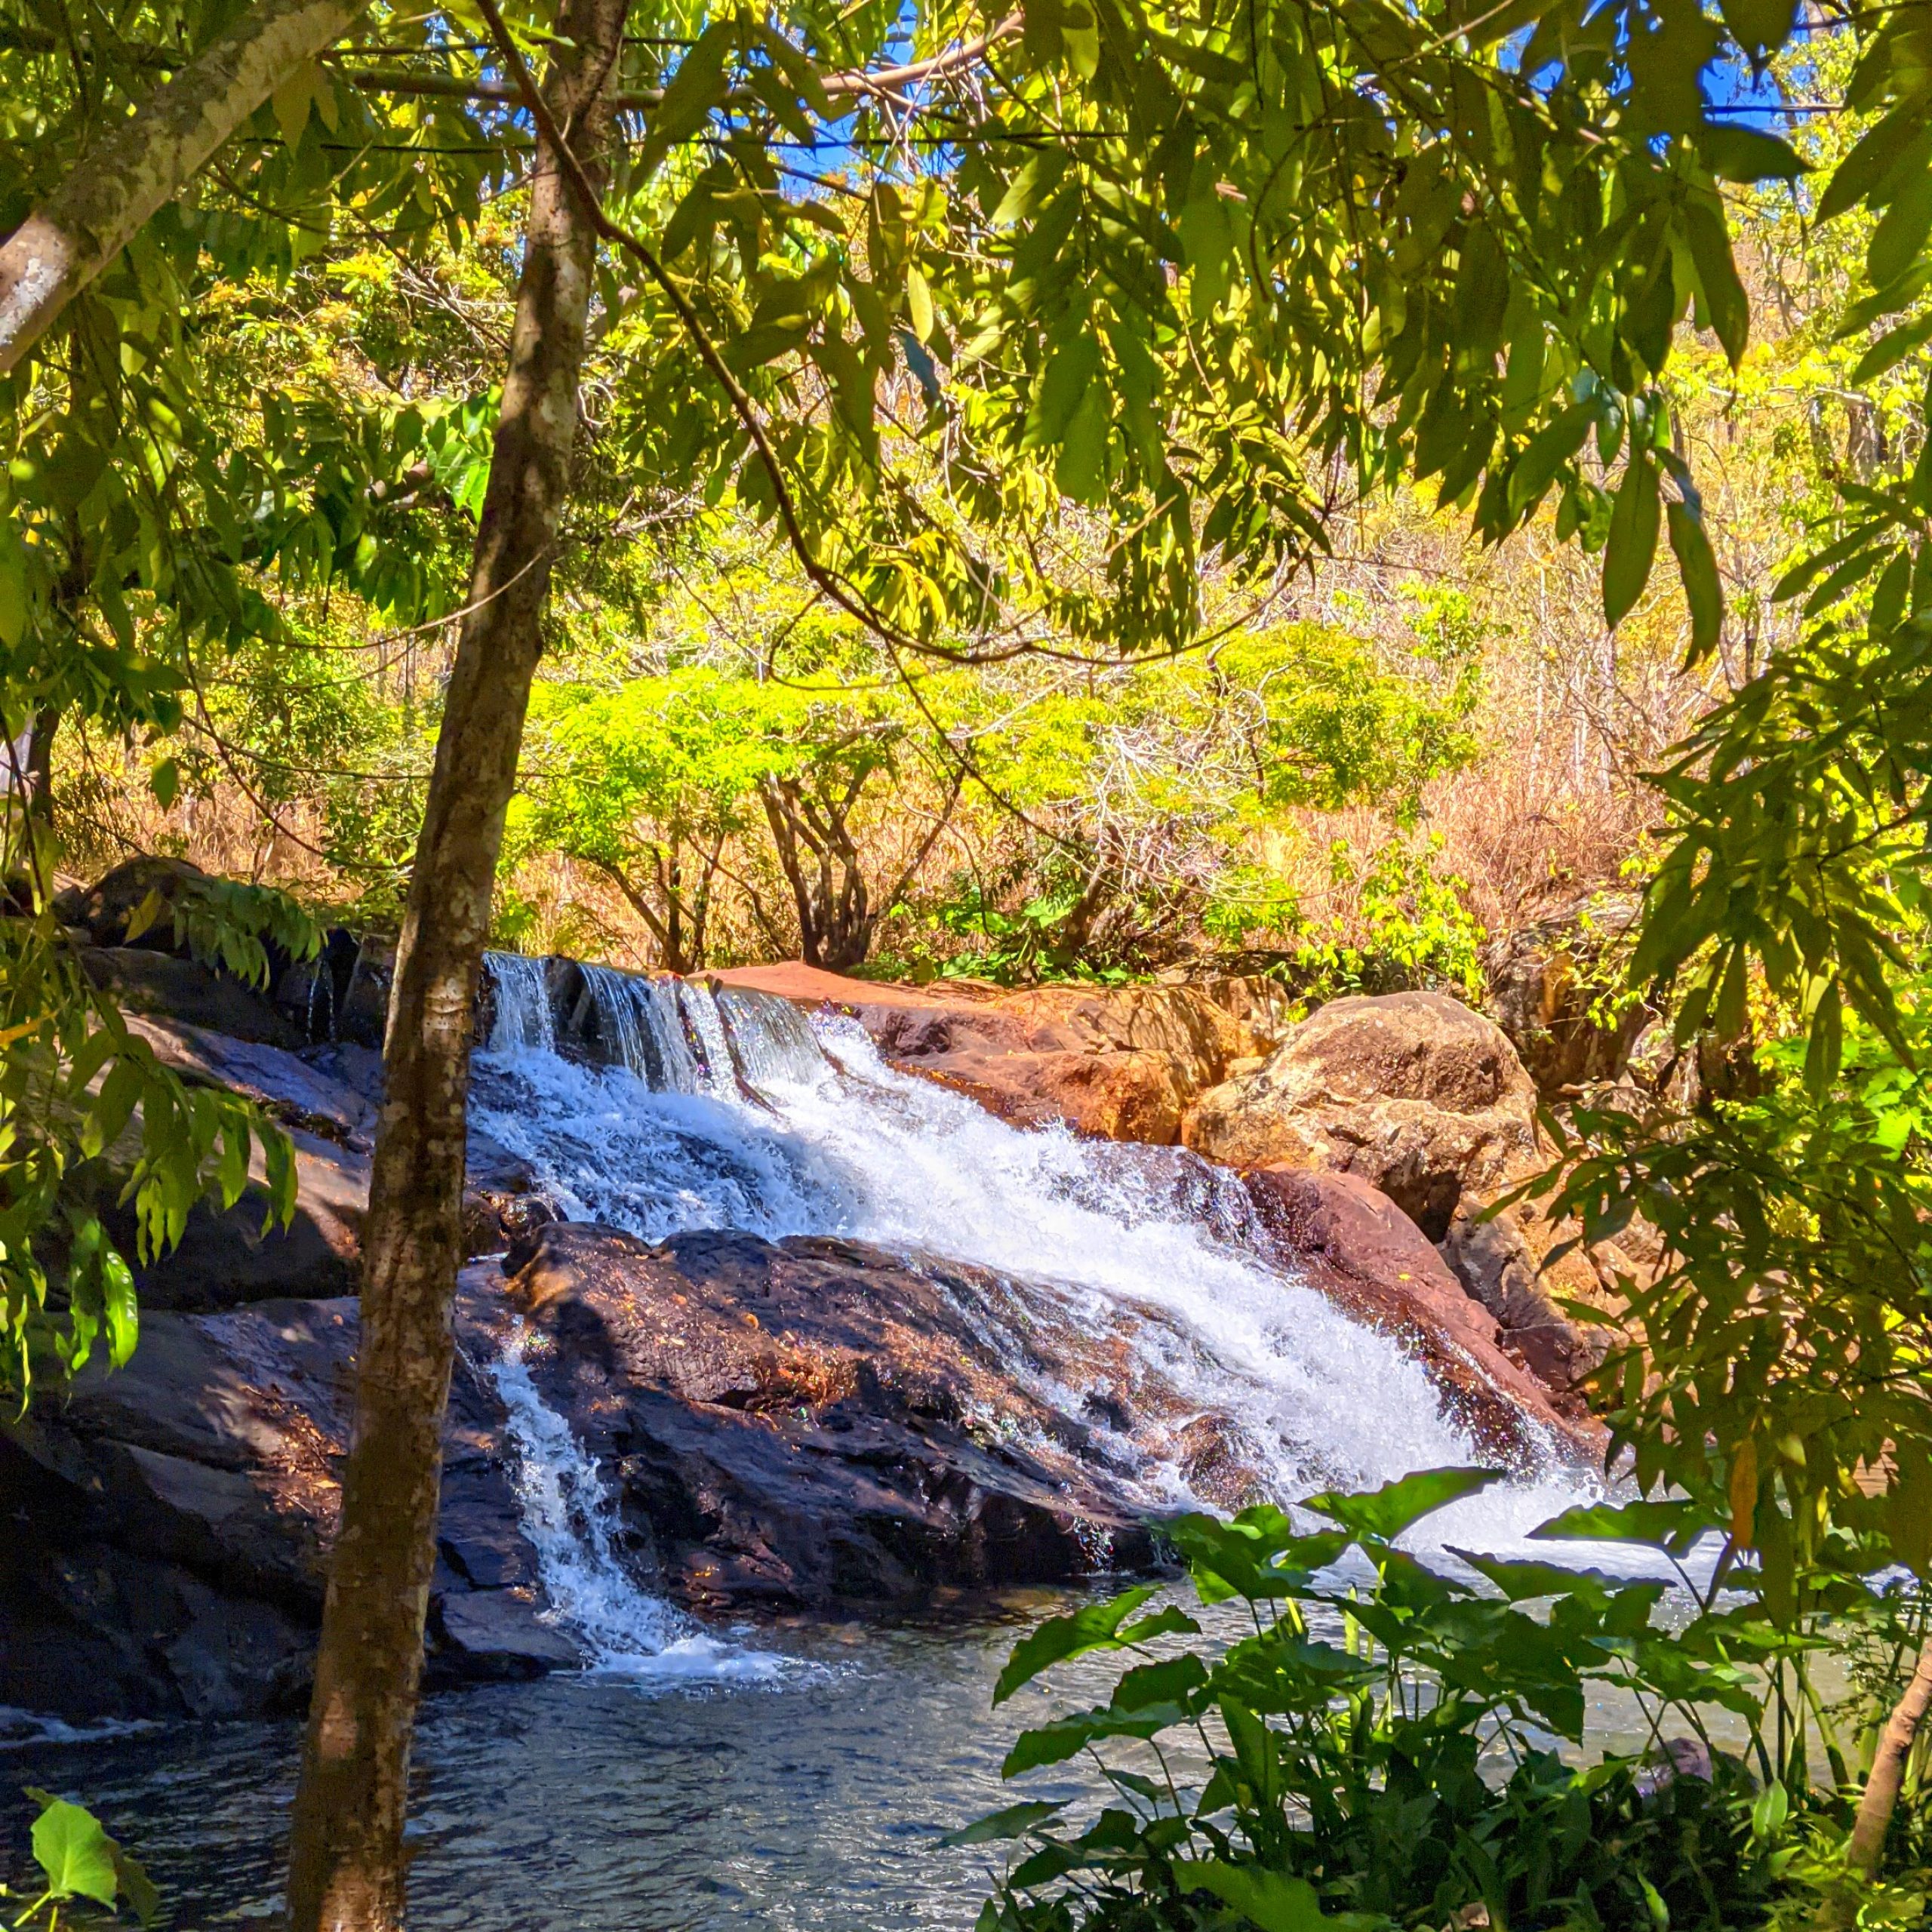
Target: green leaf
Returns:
[1824, 1051]
[1894, 141]
[1725, 302]
[1761, 27]
[1691, 545]
[1095, 1626]
[1633, 538]
[1734, 153]
[73, 1850]
[1671, 1527]
[165, 782]
[1385, 1513]
[1016, 1821]
[1891, 348]
[918, 304]
[1269, 1899]
[1901, 231]
[1769, 1813]
[1081, 471]
[695, 89]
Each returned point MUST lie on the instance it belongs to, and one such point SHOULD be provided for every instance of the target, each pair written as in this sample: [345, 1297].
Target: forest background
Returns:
[1374, 765]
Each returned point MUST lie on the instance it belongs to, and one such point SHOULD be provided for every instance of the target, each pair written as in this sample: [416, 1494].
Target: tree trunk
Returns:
[144, 162]
[346, 1866]
[1866, 1847]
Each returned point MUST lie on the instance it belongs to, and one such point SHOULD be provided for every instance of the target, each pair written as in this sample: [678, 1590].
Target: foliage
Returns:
[80, 1866]
[1378, 1750]
[1774, 1362]
[1410, 925]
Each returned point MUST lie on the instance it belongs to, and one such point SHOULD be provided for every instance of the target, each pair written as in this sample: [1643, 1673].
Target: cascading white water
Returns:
[521, 990]
[761, 1126]
[569, 1517]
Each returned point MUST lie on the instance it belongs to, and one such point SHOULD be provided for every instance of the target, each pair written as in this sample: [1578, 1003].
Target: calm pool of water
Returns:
[599, 1805]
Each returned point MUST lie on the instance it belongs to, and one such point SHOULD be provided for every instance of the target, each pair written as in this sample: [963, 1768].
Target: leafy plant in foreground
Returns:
[1380, 1751]
[79, 1863]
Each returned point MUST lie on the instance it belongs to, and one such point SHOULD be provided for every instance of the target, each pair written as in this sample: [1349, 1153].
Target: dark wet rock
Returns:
[311, 993]
[1360, 1249]
[811, 1422]
[168, 1524]
[501, 1633]
[154, 985]
[364, 1011]
[227, 1257]
[299, 1090]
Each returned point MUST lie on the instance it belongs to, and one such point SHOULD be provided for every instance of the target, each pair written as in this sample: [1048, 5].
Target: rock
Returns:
[154, 986]
[1496, 1263]
[500, 1633]
[104, 910]
[228, 1257]
[295, 1091]
[1544, 981]
[807, 1423]
[1414, 1092]
[1350, 1241]
[364, 1013]
[311, 993]
[1120, 1063]
[168, 1524]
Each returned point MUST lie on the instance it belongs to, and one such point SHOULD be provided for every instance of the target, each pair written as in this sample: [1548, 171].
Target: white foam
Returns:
[570, 1518]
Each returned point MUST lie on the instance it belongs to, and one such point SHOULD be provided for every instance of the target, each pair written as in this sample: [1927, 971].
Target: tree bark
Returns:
[143, 163]
[1866, 1847]
[346, 1864]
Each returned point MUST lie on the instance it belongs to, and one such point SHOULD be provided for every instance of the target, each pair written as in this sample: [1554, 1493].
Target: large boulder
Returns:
[157, 986]
[1412, 1092]
[1119, 1063]
[168, 1525]
[807, 1423]
[1548, 983]
[105, 909]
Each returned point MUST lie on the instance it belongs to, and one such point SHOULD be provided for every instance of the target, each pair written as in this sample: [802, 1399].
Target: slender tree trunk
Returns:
[1866, 1847]
[345, 1866]
[144, 162]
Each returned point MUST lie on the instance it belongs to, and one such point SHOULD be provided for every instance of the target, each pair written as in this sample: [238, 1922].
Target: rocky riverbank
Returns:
[798, 1424]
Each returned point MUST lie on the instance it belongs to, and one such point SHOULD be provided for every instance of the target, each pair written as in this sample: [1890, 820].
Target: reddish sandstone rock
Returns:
[1120, 1063]
[1359, 1249]
[1414, 1092]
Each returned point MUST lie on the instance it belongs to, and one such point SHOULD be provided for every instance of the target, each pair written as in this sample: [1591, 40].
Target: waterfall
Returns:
[570, 1520]
[521, 988]
[727, 1111]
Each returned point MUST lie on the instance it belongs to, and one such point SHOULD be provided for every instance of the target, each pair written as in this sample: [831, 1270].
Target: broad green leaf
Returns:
[1014, 1822]
[1895, 143]
[1269, 1899]
[1094, 1626]
[1734, 153]
[1383, 1514]
[1761, 27]
[1691, 545]
[73, 1850]
[1672, 1527]
[1725, 302]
